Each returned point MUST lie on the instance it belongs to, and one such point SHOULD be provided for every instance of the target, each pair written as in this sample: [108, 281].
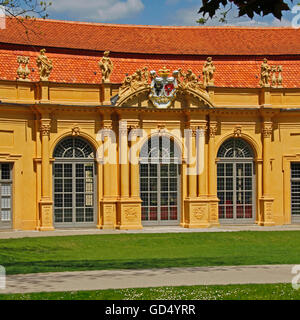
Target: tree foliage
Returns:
[245, 7]
[25, 8]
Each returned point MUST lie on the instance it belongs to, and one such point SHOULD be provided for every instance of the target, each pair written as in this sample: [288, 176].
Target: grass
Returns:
[228, 292]
[136, 251]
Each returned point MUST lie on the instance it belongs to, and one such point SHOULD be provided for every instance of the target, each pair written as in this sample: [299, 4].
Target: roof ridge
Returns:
[154, 26]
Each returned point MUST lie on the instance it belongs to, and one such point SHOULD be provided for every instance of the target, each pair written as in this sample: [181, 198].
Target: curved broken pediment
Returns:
[166, 90]
[184, 98]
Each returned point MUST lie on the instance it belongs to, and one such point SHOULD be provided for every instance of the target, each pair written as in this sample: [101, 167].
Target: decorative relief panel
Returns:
[23, 70]
[131, 214]
[108, 214]
[199, 212]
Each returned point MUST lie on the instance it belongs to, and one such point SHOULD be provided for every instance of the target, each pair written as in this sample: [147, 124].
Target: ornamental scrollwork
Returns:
[189, 80]
[23, 70]
[237, 132]
[163, 85]
[75, 131]
[132, 83]
[199, 212]
[131, 214]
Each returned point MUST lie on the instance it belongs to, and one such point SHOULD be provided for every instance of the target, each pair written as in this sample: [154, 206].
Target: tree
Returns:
[245, 7]
[21, 9]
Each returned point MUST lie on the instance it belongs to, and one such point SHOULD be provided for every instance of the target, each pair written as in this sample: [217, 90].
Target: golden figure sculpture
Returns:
[208, 72]
[265, 74]
[146, 74]
[45, 65]
[106, 67]
[132, 83]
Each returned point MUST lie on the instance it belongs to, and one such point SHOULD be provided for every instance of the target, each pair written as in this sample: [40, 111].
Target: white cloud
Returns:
[97, 10]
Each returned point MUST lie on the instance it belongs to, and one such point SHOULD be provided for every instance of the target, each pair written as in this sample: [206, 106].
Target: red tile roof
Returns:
[237, 52]
[154, 39]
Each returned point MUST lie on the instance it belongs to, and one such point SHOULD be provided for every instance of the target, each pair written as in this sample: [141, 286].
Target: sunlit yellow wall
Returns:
[25, 106]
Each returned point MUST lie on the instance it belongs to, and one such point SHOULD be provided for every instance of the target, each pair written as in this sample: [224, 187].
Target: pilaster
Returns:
[196, 204]
[129, 204]
[44, 91]
[212, 174]
[46, 204]
[108, 205]
[266, 201]
[106, 93]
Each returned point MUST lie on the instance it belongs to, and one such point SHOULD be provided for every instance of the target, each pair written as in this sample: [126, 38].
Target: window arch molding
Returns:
[255, 144]
[236, 148]
[84, 136]
[71, 147]
[160, 147]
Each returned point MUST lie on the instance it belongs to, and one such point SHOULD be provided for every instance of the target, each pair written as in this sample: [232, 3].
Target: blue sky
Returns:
[149, 12]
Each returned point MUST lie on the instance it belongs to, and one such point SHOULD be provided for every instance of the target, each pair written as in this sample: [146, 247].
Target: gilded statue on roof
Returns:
[44, 65]
[265, 74]
[208, 72]
[106, 67]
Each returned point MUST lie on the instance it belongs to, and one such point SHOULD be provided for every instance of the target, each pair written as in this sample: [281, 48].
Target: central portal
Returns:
[160, 181]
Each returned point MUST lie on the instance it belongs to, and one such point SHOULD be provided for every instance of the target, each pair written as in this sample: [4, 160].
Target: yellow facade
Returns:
[35, 117]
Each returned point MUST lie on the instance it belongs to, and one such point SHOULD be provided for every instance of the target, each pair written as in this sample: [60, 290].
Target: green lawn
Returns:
[96, 252]
[229, 292]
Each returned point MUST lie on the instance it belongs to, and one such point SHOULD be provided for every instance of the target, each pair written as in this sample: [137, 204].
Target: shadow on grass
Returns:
[88, 265]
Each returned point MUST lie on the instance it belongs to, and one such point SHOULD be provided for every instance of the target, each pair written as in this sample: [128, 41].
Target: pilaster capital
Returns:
[45, 127]
[213, 127]
[123, 128]
[196, 128]
[107, 124]
[107, 127]
[267, 129]
[133, 124]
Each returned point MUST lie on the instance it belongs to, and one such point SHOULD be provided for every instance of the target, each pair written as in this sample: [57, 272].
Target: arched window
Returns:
[236, 182]
[160, 148]
[160, 181]
[73, 148]
[235, 148]
[74, 183]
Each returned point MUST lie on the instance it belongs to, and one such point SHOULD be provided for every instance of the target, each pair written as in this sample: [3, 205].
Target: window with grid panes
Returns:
[74, 182]
[236, 181]
[5, 195]
[160, 181]
[295, 190]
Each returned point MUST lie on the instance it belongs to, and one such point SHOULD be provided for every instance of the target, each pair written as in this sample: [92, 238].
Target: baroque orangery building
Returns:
[122, 126]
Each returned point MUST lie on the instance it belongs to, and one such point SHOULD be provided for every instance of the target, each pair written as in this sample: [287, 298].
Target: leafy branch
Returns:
[209, 8]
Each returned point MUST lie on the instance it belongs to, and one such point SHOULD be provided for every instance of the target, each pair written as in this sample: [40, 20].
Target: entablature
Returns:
[53, 94]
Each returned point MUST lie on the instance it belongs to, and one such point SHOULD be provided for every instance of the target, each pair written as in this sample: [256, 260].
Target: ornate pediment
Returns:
[161, 89]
